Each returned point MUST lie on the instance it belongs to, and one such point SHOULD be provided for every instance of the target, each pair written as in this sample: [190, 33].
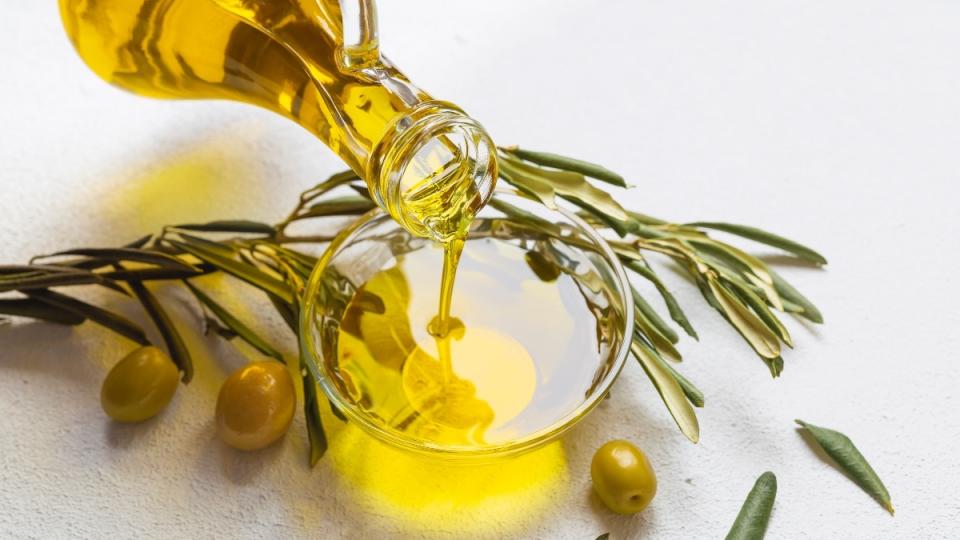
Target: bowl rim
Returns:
[515, 447]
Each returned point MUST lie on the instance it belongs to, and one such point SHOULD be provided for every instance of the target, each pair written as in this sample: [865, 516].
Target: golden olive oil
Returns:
[519, 350]
[292, 57]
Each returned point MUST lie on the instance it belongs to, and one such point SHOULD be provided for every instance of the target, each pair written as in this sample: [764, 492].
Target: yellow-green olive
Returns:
[139, 386]
[622, 477]
[255, 405]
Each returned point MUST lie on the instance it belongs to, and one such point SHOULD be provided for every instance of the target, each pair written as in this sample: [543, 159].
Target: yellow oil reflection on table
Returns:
[423, 493]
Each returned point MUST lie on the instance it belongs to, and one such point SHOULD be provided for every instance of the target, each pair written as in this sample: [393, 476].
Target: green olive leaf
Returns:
[792, 295]
[673, 307]
[548, 184]
[694, 395]
[35, 309]
[234, 324]
[763, 341]
[155, 274]
[112, 321]
[331, 183]
[242, 271]
[242, 226]
[171, 337]
[653, 317]
[670, 392]
[760, 309]
[604, 536]
[754, 270]
[754, 516]
[843, 452]
[309, 374]
[569, 164]
[105, 256]
[764, 237]
[34, 277]
[339, 206]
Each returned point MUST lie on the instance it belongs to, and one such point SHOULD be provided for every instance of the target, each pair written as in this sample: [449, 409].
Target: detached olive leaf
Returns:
[839, 447]
[754, 516]
[669, 390]
[764, 237]
[234, 324]
[35, 309]
[557, 161]
[112, 321]
[604, 536]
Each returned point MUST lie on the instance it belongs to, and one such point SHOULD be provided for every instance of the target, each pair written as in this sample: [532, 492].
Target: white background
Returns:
[836, 123]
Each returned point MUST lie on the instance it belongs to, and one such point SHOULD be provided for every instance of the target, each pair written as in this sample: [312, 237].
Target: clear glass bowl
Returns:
[375, 241]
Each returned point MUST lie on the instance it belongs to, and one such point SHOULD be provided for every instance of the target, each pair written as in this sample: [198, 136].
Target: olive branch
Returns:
[741, 287]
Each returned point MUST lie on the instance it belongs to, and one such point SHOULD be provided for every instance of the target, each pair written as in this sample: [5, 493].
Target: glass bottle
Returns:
[317, 62]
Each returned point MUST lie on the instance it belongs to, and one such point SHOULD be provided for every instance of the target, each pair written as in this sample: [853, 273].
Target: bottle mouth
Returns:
[434, 169]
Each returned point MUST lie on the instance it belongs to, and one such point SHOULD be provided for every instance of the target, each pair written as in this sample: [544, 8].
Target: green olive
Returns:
[622, 477]
[139, 386]
[255, 405]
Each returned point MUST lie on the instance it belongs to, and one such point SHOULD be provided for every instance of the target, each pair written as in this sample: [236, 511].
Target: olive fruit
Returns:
[139, 386]
[255, 405]
[622, 477]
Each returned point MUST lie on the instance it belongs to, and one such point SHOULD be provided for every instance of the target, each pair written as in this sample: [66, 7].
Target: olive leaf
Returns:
[340, 206]
[311, 407]
[109, 320]
[106, 256]
[673, 307]
[604, 536]
[547, 184]
[171, 337]
[789, 293]
[754, 516]
[31, 277]
[689, 389]
[763, 341]
[669, 390]
[35, 309]
[242, 226]
[761, 310]
[235, 324]
[237, 269]
[764, 237]
[557, 161]
[653, 317]
[644, 327]
[155, 274]
[843, 452]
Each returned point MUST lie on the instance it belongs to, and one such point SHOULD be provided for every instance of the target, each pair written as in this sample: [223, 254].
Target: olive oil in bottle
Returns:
[316, 62]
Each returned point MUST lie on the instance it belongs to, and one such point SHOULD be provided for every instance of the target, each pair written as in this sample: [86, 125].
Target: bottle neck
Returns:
[433, 170]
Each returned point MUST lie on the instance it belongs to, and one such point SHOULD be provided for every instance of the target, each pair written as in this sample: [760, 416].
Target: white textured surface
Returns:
[837, 123]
